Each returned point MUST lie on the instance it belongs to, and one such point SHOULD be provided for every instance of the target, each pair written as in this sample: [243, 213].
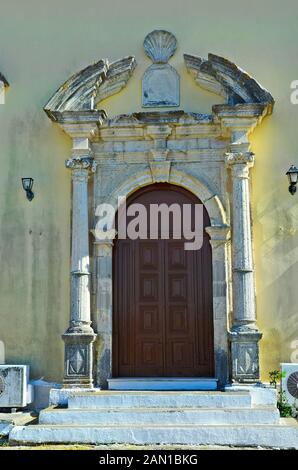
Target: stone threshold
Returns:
[162, 383]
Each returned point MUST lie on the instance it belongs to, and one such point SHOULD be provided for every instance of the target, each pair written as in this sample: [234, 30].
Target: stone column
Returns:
[244, 335]
[220, 240]
[103, 253]
[79, 336]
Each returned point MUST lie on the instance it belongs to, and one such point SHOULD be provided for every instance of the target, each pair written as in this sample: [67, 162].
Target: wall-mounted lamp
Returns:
[27, 186]
[292, 175]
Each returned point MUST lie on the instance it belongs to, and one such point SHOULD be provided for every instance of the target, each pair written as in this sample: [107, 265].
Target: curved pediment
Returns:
[223, 77]
[83, 90]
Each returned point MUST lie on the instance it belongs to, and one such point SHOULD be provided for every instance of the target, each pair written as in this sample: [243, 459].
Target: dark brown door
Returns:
[162, 319]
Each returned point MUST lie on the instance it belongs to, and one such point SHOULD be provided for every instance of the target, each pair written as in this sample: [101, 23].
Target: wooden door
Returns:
[162, 297]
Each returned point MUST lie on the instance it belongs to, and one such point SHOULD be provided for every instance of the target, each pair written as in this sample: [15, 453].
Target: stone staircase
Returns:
[162, 417]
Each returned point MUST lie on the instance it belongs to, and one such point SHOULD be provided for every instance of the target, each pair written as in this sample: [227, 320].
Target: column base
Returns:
[78, 359]
[245, 354]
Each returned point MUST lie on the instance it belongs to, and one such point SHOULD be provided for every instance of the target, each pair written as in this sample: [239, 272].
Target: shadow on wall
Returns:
[279, 322]
[2, 352]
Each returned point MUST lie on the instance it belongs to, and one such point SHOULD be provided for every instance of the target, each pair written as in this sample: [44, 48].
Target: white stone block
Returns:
[13, 385]
[261, 395]
[41, 393]
[60, 396]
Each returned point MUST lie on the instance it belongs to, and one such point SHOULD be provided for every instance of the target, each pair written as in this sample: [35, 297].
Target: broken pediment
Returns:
[223, 77]
[79, 97]
[91, 85]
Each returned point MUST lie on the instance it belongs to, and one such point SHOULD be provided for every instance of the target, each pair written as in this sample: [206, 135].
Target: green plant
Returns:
[275, 377]
[285, 409]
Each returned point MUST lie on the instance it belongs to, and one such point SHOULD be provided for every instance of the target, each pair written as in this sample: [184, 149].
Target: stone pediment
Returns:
[75, 105]
[223, 77]
[83, 90]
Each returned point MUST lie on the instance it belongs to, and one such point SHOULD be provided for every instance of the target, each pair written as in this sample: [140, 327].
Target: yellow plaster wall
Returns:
[41, 44]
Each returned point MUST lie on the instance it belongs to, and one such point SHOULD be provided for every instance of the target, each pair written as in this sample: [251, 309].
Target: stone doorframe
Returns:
[219, 233]
[201, 153]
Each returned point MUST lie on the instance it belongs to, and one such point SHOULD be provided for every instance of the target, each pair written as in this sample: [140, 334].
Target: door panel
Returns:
[162, 319]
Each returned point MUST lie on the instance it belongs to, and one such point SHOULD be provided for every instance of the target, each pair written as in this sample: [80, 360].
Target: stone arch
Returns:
[211, 201]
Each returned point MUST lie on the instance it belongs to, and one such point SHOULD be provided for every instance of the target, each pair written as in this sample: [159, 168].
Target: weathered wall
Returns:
[42, 44]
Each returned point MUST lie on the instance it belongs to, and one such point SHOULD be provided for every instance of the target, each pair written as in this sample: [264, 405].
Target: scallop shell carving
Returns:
[160, 45]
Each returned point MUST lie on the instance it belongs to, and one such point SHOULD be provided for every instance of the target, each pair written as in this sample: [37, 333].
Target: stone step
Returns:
[284, 435]
[112, 399]
[147, 416]
[164, 383]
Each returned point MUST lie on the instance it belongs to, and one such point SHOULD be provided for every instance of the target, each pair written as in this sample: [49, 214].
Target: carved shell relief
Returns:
[160, 45]
[161, 82]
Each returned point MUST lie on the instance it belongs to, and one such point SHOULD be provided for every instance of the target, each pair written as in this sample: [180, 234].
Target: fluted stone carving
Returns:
[160, 45]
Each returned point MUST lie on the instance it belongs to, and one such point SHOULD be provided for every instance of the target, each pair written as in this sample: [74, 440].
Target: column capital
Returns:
[84, 162]
[219, 234]
[240, 158]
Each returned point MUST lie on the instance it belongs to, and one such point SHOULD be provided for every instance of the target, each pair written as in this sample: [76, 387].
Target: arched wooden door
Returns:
[162, 319]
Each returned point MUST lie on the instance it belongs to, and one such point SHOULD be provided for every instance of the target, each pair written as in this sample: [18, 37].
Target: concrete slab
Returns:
[148, 416]
[284, 436]
[8, 420]
[160, 399]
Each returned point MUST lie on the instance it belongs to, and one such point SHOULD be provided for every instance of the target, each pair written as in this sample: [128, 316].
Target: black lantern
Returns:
[27, 186]
[292, 175]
